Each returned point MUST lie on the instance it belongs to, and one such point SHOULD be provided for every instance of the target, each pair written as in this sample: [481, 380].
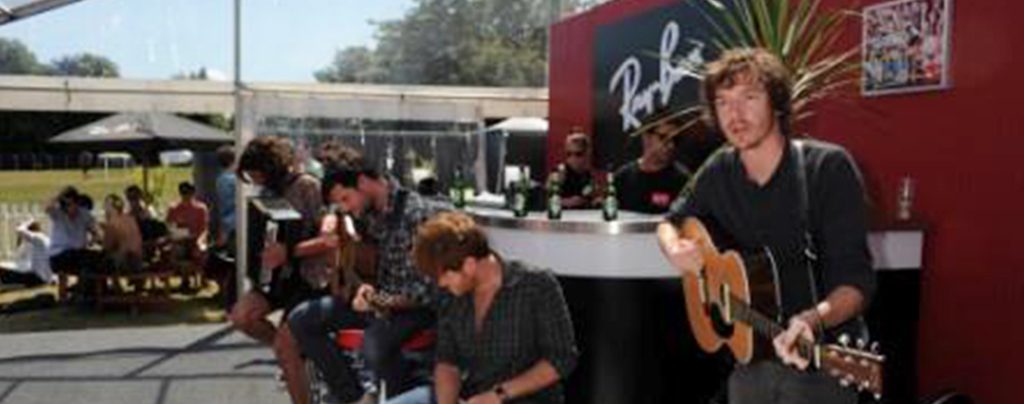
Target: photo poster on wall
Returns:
[905, 47]
[637, 70]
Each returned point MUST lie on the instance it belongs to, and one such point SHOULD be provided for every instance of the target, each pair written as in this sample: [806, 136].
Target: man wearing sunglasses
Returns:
[574, 174]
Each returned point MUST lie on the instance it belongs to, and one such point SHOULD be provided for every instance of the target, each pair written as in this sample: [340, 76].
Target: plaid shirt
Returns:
[527, 321]
[393, 233]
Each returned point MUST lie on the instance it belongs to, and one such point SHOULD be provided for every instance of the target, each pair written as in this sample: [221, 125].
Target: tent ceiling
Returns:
[12, 10]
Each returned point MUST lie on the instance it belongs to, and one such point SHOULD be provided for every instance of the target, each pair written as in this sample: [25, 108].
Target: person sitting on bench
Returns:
[32, 268]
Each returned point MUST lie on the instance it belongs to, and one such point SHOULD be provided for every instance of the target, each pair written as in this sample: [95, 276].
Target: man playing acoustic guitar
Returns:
[754, 191]
[391, 213]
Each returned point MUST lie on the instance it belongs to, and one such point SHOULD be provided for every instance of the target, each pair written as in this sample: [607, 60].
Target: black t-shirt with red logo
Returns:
[644, 192]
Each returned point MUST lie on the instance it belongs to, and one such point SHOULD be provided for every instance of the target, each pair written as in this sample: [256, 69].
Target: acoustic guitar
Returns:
[356, 262]
[735, 296]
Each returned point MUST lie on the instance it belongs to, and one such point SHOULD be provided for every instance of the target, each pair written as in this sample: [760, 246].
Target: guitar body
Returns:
[749, 278]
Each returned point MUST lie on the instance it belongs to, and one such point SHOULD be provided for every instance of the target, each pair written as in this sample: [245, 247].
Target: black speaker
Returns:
[893, 319]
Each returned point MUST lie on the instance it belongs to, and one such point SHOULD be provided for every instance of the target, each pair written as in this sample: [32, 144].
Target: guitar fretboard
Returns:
[765, 326]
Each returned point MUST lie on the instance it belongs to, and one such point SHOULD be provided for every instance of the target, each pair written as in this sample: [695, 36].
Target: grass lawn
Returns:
[40, 186]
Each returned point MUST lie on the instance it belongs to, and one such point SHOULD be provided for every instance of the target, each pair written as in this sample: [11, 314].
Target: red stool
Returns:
[352, 340]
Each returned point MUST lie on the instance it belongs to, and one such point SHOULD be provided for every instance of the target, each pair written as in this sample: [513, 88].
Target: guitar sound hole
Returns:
[722, 328]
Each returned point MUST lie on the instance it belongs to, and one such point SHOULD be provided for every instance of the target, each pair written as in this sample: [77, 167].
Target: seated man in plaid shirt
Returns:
[391, 214]
[508, 329]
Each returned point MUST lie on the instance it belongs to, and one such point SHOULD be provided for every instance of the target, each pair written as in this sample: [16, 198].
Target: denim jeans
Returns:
[771, 382]
[312, 322]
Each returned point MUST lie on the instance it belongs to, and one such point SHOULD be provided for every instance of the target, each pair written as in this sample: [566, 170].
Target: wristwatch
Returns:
[499, 391]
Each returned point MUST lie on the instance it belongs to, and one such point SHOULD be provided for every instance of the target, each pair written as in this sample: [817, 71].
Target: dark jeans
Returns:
[220, 265]
[771, 382]
[76, 262]
[79, 262]
[312, 322]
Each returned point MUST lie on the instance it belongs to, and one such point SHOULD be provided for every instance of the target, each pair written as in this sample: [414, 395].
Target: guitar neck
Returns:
[767, 327]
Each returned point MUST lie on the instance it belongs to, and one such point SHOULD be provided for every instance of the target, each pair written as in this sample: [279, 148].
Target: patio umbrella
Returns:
[143, 134]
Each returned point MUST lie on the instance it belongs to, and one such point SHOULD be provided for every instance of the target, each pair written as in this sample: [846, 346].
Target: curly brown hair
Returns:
[443, 242]
[273, 156]
[334, 154]
[738, 64]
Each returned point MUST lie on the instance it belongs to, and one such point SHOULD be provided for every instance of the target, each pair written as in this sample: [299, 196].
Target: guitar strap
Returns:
[810, 249]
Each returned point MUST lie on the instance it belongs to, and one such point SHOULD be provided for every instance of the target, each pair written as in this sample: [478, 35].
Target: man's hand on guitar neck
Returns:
[842, 304]
[800, 328]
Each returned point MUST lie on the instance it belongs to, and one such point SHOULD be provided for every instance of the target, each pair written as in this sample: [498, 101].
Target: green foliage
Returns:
[16, 58]
[200, 74]
[356, 64]
[457, 42]
[85, 65]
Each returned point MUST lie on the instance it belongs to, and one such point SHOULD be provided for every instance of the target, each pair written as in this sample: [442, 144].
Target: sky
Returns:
[282, 40]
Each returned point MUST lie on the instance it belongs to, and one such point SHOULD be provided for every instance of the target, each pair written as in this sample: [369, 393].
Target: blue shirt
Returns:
[68, 233]
[226, 201]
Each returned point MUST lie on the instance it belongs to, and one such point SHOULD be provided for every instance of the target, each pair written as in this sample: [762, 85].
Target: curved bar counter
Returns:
[581, 244]
[625, 299]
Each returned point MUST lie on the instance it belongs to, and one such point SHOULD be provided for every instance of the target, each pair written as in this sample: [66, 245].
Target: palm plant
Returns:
[803, 35]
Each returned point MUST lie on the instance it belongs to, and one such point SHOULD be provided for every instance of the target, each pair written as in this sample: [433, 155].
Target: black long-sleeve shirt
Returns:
[756, 216]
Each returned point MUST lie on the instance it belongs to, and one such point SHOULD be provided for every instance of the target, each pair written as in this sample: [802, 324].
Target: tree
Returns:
[85, 65]
[457, 42]
[200, 74]
[16, 58]
[355, 64]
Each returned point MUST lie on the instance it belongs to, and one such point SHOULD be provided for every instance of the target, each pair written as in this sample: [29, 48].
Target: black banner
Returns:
[636, 72]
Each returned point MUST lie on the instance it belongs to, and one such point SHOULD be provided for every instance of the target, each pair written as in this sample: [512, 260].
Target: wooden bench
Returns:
[143, 289]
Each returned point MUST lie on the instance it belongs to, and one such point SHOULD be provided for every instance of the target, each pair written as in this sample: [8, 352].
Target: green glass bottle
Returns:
[610, 208]
[455, 192]
[522, 191]
[555, 197]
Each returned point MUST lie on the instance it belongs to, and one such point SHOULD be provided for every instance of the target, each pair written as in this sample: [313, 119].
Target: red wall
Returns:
[959, 145]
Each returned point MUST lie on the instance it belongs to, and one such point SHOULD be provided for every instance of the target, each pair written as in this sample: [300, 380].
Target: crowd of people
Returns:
[126, 237]
[401, 299]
